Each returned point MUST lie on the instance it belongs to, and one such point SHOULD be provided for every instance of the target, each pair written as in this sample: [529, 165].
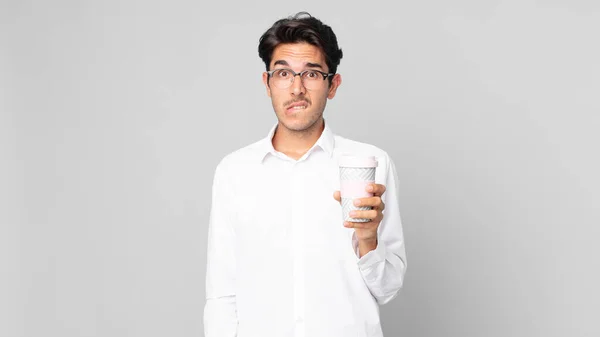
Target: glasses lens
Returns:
[282, 78]
[311, 79]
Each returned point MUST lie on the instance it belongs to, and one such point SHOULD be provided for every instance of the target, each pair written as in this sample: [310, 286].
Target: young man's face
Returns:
[297, 108]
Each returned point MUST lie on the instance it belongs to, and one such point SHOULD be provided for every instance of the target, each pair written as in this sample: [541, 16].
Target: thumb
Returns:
[337, 196]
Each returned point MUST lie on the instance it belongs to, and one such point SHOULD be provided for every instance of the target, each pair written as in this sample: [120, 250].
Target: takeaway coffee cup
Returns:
[356, 172]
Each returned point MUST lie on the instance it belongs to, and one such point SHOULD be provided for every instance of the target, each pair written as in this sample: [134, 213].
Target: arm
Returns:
[220, 316]
[383, 267]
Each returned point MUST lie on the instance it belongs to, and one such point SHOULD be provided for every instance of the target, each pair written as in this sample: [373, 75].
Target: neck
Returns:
[295, 144]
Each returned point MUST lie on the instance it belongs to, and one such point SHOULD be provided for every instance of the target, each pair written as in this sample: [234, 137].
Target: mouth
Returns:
[297, 106]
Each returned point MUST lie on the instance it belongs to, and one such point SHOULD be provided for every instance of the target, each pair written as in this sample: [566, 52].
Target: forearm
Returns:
[384, 265]
[220, 317]
[220, 310]
[383, 272]
[365, 246]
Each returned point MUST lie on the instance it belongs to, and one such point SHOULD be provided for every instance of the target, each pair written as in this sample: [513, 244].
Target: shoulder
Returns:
[240, 158]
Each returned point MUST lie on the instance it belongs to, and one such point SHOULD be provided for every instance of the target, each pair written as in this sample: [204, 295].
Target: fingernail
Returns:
[356, 202]
[370, 188]
[352, 214]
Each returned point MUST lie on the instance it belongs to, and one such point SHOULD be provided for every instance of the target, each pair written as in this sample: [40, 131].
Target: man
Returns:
[281, 262]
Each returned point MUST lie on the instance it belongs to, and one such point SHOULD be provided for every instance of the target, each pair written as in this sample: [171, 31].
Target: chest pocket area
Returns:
[263, 219]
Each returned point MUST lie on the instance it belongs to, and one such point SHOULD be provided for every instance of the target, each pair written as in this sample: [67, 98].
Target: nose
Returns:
[297, 86]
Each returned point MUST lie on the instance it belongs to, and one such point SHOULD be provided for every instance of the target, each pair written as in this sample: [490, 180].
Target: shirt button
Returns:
[299, 319]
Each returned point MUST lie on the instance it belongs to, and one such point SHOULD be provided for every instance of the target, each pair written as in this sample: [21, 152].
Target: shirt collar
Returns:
[325, 142]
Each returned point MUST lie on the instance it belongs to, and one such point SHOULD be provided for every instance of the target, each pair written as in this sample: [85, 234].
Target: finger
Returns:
[370, 214]
[370, 201]
[379, 217]
[361, 225]
[337, 196]
[378, 189]
[376, 217]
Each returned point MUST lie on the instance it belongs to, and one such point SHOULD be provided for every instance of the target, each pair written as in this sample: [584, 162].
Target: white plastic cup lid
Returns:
[357, 161]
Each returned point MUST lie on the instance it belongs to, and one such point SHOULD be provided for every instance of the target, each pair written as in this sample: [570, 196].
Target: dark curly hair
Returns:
[301, 27]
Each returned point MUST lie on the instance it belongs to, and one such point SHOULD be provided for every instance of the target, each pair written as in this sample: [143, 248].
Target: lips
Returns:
[297, 106]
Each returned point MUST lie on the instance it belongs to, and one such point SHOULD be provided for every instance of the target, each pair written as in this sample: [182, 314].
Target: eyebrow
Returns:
[308, 64]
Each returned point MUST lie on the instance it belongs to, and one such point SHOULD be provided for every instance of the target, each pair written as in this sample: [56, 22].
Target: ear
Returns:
[265, 78]
[335, 83]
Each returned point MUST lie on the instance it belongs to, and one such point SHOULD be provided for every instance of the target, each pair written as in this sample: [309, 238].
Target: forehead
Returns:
[298, 54]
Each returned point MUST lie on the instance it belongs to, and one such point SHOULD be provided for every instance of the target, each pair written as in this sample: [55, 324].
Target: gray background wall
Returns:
[115, 113]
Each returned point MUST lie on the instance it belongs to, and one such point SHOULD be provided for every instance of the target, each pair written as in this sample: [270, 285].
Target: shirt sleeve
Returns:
[383, 269]
[220, 314]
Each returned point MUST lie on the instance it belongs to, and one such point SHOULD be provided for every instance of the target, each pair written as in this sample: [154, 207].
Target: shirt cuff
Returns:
[371, 258]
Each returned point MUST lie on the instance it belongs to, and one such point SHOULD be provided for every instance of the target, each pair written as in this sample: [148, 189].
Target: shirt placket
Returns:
[298, 248]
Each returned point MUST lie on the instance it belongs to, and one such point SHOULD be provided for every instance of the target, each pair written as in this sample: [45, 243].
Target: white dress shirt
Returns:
[280, 262]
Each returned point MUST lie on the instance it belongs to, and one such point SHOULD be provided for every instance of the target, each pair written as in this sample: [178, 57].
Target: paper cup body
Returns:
[356, 173]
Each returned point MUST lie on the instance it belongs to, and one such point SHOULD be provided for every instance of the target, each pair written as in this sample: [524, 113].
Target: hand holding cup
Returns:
[360, 196]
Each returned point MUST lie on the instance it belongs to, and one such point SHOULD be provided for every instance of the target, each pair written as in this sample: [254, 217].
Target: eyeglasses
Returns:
[311, 79]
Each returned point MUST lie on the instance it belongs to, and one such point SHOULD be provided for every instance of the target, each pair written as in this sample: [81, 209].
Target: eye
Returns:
[313, 75]
[282, 73]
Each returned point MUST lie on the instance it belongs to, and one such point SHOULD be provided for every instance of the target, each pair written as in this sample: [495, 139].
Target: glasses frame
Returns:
[325, 75]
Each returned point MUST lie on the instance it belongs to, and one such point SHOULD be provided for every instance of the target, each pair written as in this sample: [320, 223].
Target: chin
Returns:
[298, 125]
[294, 126]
